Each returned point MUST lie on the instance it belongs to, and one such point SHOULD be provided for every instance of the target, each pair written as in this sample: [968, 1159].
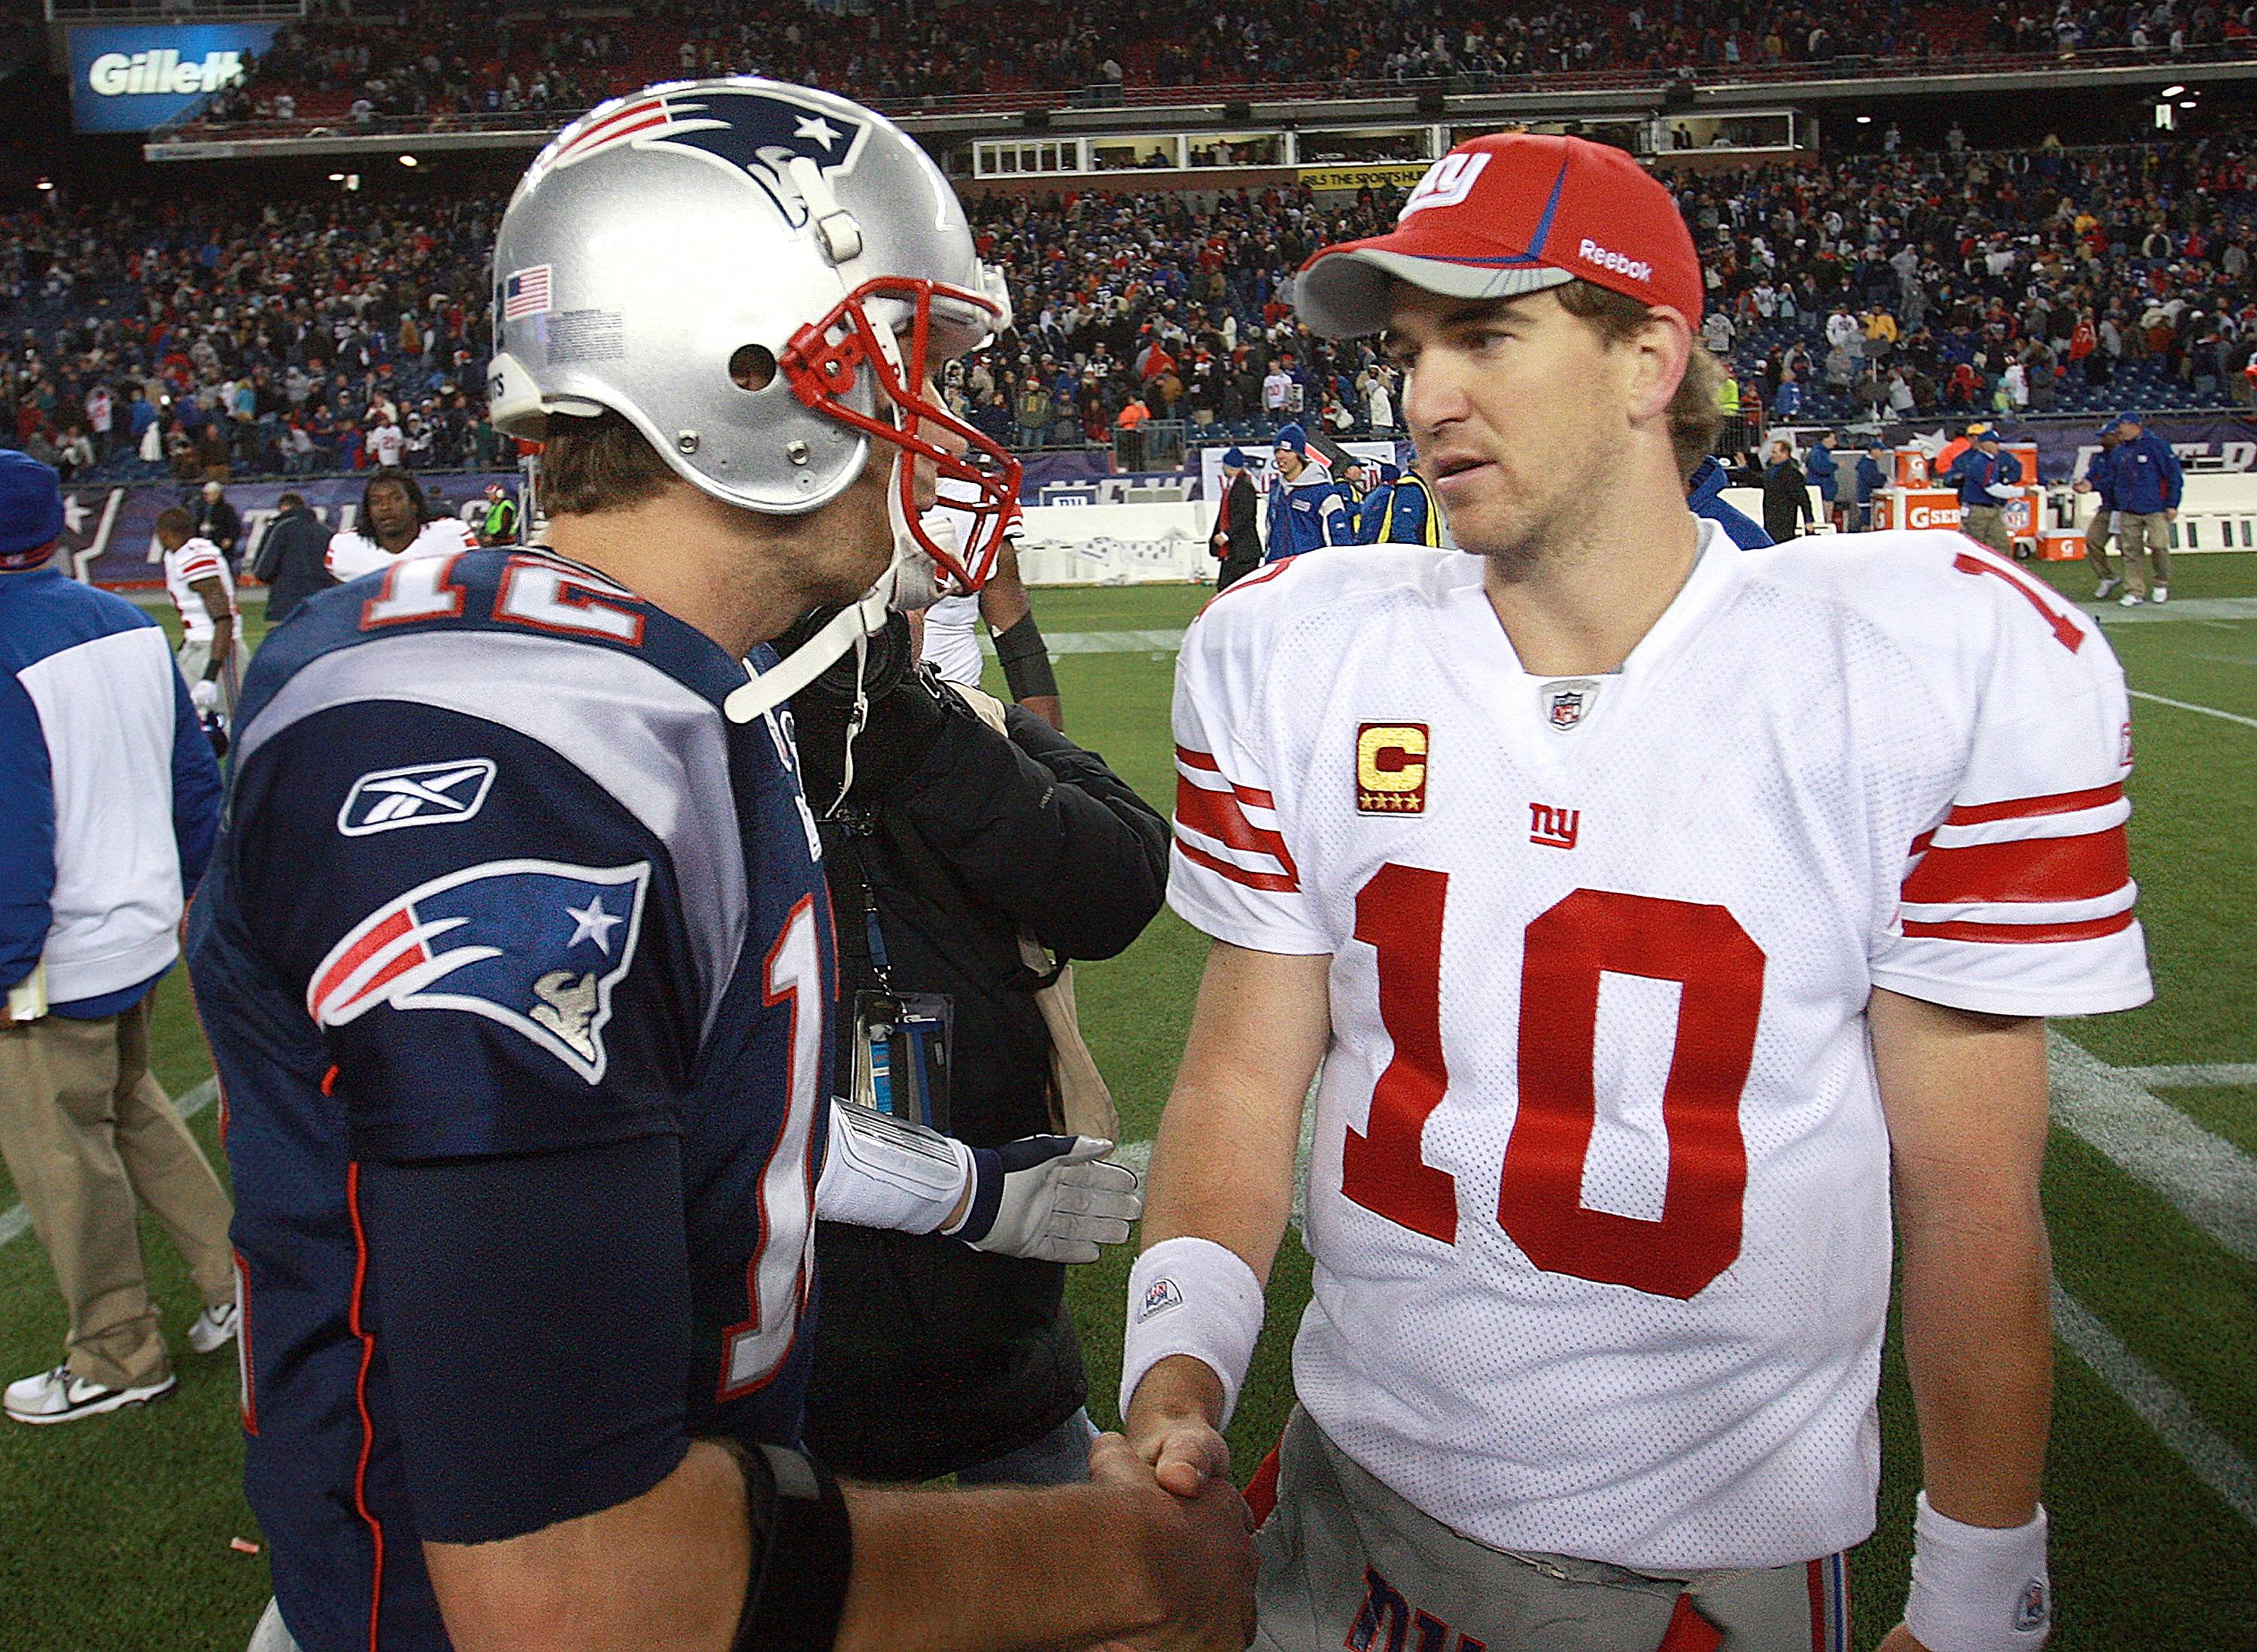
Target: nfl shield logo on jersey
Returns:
[532, 944]
[1566, 704]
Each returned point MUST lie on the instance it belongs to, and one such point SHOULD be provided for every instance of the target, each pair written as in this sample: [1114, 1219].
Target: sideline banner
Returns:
[1380, 175]
[131, 77]
[110, 533]
[1114, 544]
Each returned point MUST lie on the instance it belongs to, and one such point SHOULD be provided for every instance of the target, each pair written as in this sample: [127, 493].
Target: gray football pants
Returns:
[1347, 1562]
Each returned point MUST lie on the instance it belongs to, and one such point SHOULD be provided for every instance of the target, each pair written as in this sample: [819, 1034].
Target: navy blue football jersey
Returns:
[498, 878]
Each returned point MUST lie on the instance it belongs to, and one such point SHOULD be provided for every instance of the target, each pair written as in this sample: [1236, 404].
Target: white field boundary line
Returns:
[2211, 1182]
[2189, 705]
[190, 1102]
[2197, 1076]
[2207, 1454]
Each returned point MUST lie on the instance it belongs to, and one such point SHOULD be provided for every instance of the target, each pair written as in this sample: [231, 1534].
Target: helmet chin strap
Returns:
[908, 581]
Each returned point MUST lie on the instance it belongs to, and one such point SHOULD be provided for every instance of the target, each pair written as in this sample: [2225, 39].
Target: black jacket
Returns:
[931, 1356]
[1787, 500]
[1239, 515]
[292, 561]
[221, 523]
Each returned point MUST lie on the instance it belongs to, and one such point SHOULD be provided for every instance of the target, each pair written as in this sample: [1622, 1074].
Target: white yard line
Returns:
[2162, 1408]
[15, 1219]
[2211, 1182]
[2199, 1075]
[2189, 705]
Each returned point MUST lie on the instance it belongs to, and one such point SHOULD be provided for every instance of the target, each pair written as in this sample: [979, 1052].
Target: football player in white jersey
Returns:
[949, 635]
[211, 620]
[394, 521]
[1654, 914]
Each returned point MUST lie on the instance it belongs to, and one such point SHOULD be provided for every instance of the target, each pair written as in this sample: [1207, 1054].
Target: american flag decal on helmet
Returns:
[534, 945]
[753, 130]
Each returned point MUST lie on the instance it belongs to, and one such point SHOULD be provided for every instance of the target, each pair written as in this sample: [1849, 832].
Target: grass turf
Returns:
[114, 1533]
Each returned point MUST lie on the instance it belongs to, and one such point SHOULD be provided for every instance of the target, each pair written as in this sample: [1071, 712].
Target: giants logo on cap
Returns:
[1447, 182]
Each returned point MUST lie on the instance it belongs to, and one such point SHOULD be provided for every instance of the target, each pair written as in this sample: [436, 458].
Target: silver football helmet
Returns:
[760, 277]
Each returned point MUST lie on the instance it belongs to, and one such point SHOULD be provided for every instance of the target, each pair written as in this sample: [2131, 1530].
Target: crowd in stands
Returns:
[303, 337]
[439, 60]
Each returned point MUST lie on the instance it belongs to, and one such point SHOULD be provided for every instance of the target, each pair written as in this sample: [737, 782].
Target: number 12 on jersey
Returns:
[1540, 1201]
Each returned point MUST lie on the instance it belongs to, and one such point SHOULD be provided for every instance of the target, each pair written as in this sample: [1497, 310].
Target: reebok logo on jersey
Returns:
[1621, 263]
[1390, 768]
[533, 945]
[421, 795]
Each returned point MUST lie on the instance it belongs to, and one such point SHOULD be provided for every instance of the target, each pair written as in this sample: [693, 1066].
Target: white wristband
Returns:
[1191, 1296]
[1977, 1588]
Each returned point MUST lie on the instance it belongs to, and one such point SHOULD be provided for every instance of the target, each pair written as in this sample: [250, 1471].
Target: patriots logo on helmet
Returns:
[754, 131]
[532, 944]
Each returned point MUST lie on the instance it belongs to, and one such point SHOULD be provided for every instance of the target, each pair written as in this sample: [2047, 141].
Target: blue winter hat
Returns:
[30, 510]
[1294, 437]
[2111, 426]
[1235, 458]
[1389, 474]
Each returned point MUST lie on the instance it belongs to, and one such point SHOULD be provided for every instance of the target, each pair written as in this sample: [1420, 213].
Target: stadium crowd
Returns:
[447, 60]
[328, 336]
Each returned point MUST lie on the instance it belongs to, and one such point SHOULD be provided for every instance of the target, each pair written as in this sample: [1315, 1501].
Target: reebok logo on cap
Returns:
[1591, 252]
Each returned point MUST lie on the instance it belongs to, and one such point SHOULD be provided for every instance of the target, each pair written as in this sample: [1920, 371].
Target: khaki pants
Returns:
[1986, 524]
[2098, 532]
[2150, 534]
[1347, 1562]
[86, 1131]
[194, 656]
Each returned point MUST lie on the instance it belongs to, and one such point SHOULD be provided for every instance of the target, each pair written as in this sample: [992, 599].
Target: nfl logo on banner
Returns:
[1390, 768]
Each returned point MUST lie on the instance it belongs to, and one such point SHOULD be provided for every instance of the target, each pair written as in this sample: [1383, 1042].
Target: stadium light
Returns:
[47, 183]
[2172, 91]
[336, 177]
[1865, 120]
[2186, 103]
[407, 161]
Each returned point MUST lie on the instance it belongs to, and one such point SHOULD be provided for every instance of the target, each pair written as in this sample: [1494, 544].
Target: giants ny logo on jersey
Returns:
[531, 945]
[754, 131]
[421, 795]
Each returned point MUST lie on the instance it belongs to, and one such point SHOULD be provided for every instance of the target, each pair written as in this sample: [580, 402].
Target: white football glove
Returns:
[1048, 1198]
[203, 695]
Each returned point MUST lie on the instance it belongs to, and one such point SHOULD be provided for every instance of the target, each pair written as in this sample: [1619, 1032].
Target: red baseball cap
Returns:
[1509, 214]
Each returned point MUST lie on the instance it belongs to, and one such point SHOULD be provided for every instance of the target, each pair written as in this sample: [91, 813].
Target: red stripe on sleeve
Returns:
[2024, 808]
[1219, 815]
[2080, 868]
[2022, 933]
[1271, 882]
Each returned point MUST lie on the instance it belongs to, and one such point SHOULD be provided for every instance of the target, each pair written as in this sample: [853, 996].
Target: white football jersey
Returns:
[1598, 1199]
[951, 638]
[354, 554]
[186, 566]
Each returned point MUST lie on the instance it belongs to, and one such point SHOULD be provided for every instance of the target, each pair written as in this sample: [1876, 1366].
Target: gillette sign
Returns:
[130, 78]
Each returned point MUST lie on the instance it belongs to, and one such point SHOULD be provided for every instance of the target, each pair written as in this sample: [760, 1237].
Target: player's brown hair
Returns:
[175, 521]
[602, 464]
[1694, 416]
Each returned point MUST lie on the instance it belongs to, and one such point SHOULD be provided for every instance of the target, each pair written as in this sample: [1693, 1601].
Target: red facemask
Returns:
[822, 362]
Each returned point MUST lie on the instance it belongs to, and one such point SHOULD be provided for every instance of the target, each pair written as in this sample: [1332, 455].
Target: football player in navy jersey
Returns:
[516, 959]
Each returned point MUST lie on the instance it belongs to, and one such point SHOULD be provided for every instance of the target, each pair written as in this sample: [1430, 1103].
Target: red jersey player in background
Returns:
[1654, 913]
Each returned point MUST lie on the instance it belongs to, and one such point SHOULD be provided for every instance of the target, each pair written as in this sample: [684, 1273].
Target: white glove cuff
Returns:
[1191, 1296]
[1977, 1588]
[880, 1172]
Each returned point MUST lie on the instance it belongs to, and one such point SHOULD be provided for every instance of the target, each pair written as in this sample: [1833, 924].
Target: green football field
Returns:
[114, 1533]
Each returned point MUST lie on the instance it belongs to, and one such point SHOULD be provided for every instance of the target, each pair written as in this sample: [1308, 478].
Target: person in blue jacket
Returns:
[109, 805]
[1983, 476]
[1307, 508]
[2099, 478]
[1704, 494]
[1400, 510]
[1824, 473]
[1872, 477]
[2147, 482]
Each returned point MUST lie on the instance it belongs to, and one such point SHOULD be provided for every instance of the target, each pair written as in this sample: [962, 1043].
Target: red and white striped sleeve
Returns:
[197, 560]
[1231, 874]
[2019, 900]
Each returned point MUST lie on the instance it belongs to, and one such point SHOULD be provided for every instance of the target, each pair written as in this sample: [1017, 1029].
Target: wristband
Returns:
[1191, 1296]
[803, 1554]
[1026, 660]
[1977, 1588]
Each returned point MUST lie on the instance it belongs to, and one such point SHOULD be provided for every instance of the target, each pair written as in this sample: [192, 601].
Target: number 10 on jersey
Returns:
[1540, 1202]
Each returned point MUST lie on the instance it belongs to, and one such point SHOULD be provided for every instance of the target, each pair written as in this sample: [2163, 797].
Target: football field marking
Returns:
[2208, 1454]
[2197, 1076]
[15, 1219]
[2189, 705]
[2211, 1182]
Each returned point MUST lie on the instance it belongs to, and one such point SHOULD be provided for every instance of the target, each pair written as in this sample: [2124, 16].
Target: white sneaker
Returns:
[2105, 590]
[2129, 599]
[214, 1327]
[2161, 594]
[57, 1396]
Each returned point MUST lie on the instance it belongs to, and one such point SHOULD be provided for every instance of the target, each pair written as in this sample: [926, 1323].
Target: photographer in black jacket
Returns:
[944, 842]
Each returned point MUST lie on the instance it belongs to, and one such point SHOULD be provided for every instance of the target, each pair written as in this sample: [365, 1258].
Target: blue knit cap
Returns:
[30, 510]
[1235, 458]
[1294, 437]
